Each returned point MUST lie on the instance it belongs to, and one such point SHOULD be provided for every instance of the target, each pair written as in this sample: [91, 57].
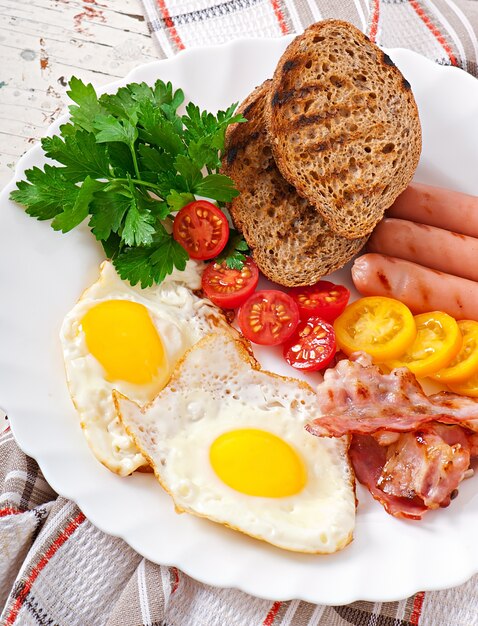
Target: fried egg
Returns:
[127, 338]
[227, 442]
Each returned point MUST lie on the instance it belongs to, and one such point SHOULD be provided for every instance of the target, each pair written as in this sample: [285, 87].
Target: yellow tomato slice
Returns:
[465, 364]
[382, 327]
[467, 388]
[437, 343]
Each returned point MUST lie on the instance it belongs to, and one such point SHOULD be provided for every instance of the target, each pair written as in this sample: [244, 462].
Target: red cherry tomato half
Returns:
[312, 347]
[268, 317]
[201, 229]
[324, 299]
[229, 288]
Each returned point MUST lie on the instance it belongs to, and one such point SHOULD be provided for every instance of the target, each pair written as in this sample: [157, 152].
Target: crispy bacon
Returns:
[411, 450]
[356, 397]
[368, 459]
[420, 471]
[424, 464]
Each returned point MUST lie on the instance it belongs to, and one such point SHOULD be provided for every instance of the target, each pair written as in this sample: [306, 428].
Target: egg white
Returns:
[180, 317]
[217, 388]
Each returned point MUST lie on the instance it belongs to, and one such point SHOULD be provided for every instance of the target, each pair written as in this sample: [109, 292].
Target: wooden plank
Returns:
[45, 42]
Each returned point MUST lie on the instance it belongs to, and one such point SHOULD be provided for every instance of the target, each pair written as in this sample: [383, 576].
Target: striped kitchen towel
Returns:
[443, 30]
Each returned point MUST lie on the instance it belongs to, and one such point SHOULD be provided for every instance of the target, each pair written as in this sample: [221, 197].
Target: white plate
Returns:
[42, 274]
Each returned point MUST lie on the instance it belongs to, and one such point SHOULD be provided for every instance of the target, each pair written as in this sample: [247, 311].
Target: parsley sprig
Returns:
[127, 161]
[234, 254]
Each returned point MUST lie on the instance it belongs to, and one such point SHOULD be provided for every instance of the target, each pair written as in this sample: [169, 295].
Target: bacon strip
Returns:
[410, 450]
[424, 464]
[368, 459]
[356, 397]
[420, 471]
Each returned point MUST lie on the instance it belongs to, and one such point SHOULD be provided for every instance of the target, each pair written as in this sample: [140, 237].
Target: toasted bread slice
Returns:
[343, 125]
[290, 241]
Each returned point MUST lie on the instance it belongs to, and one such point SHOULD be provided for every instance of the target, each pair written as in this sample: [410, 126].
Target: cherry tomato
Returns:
[229, 288]
[467, 388]
[312, 347]
[324, 299]
[465, 364]
[268, 317]
[201, 229]
[437, 343]
[383, 327]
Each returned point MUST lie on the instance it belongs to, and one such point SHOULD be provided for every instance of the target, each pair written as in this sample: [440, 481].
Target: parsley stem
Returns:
[135, 160]
[136, 181]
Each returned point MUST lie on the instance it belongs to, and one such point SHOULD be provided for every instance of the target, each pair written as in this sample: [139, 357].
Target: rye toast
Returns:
[290, 242]
[343, 125]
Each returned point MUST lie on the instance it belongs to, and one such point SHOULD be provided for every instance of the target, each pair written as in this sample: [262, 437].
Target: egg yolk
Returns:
[257, 463]
[122, 337]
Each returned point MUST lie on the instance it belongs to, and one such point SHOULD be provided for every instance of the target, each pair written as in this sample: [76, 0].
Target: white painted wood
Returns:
[45, 42]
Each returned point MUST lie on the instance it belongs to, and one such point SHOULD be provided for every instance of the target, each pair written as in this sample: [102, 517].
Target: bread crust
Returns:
[290, 241]
[343, 125]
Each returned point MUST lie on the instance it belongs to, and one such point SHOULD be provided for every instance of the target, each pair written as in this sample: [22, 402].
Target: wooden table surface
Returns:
[43, 43]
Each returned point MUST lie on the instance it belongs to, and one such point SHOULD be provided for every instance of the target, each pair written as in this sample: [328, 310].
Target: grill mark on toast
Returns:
[334, 174]
[248, 109]
[306, 120]
[234, 148]
[289, 65]
[343, 201]
[282, 97]
[387, 60]
[341, 140]
[231, 154]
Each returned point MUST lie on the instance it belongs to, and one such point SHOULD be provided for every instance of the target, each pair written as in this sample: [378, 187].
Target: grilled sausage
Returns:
[432, 247]
[420, 288]
[439, 207]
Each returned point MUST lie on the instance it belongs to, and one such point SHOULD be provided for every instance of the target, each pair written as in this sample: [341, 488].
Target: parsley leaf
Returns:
[125, 162]
[205, 134]
[157, 130]
[46, 193]
[107, 213]
[138, 229]
[112, 246]
[176, 201]
[138, 226]
[121, 105]
[112, 129]
[189, 171]
[234, 254]
[82, 116]
[151, 264]
[216, 186]
[71, 216]
[80, 153]
[153, 159]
